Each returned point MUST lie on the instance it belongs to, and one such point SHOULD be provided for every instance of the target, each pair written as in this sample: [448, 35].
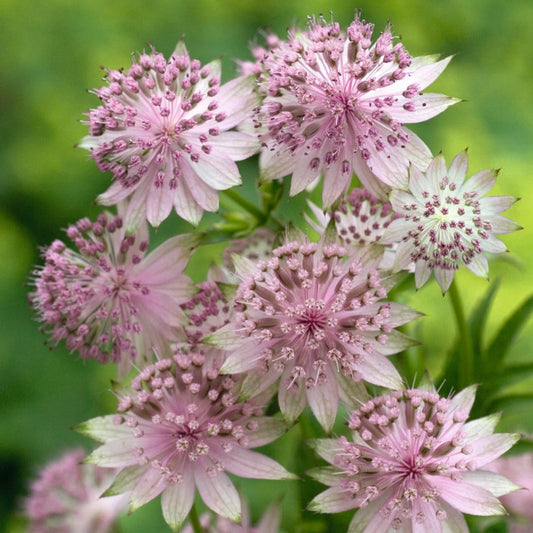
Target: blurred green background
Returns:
[51, 53]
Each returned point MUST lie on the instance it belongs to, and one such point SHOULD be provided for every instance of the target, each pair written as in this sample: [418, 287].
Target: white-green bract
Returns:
[445, 221]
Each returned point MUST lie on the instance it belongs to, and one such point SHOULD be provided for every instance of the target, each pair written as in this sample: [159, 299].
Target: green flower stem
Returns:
[245, 204]
[195, 521]
[467, 359]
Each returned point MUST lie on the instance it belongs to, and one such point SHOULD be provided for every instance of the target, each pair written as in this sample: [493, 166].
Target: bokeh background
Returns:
[51, 54]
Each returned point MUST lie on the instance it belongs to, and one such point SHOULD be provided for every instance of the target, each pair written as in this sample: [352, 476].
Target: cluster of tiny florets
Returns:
[162, 132]
[337, 104]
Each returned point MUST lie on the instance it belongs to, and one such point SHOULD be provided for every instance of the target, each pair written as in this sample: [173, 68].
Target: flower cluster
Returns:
[181, 427]
[163, 131]
[109, 300]
[280, 322]
[414, 464]
[314, 317]
[337, 104]
[65, 498]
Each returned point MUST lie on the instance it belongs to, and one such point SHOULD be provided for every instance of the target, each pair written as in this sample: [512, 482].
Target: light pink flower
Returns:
[163, 132]
[109, 300]
[518, 468]
[269, 522]
[414, 464]
[360, 221]
[445, 222]
[337, 104]
[182, 429]
[207, 311]
[66, 498]
[316, 319]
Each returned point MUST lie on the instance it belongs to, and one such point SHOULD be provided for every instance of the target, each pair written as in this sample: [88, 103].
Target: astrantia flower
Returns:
[360, 221]
[269, 522]
[206, 312]
[316, 319]
[518, 468]
[337, 104]
[163, 132]
[66, 498]
[414, 464]
[182, 429]
[108, 299]
[445, 222]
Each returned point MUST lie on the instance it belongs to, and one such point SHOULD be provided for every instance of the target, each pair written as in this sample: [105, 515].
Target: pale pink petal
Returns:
[492, 205]
[249, 464]
[479, 266]
[463, 400]
[426, 106]
[186, 205]
[291, 397]
[177, 500]
[502, 224]
[444, 277]
[217, 170]
[236, 145]
[458, 168]
[465, 497]
[149, 485]
[495, 483]
[332, 500]
[489, 448]
[481, 427]
[480, 183]
[115, 453]
[455, 522]
[266, 430]
[159, 204]
[422, 273]
[218, 493]
[275, 164]
[377, 369]
[103, 429]
[324, 400]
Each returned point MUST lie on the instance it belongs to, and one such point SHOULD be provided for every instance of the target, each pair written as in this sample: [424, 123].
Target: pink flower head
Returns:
[316, 319]
[360, 222]
[519, 468]
[108, 299]
[269, 522]
[337, 104]
[414, 464]
[181, 428]
[444, 221]
[66, 498]
[163, 132]
[207, 311]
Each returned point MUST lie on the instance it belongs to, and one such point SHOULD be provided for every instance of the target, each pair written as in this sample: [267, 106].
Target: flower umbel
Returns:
[163, 132]
[180, 429]
[337, 104]
[108, 299]
[414, 464]
[66, 498]
[315, 317]
[444, 221]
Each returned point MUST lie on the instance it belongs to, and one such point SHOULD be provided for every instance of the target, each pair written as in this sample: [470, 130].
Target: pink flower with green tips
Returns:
[414, 464]
[163, 130]
[446, 221]
[65, 498]
[181, 428]
[315, 319]
[337, 104]
[110, 300]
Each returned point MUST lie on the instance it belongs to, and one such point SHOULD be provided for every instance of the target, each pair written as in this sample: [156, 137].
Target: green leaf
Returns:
[507, 334]
[478, 318]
